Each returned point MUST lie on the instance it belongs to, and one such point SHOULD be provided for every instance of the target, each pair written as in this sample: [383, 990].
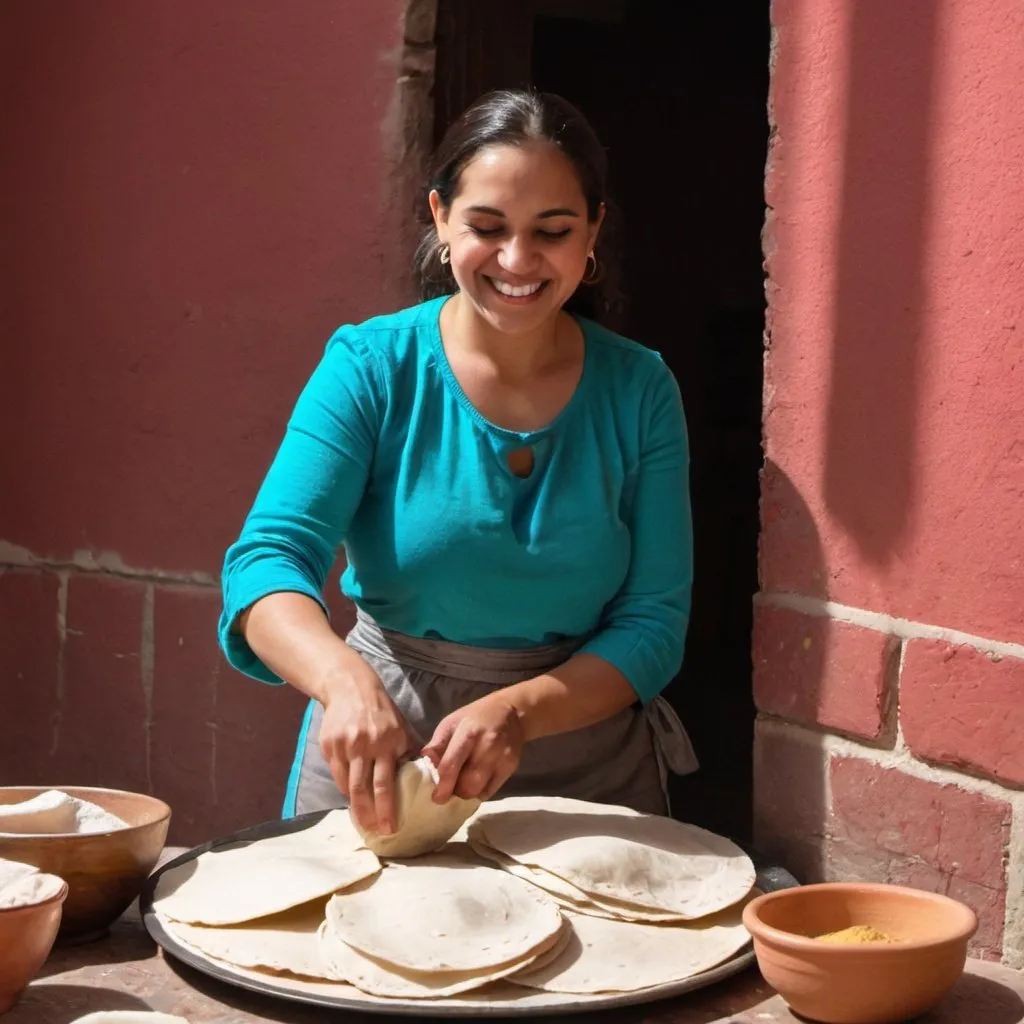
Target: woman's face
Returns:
[518, 234]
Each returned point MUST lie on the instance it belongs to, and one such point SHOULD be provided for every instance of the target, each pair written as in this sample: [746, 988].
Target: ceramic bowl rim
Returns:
[960, 931]
[58, 897]
[162, 807]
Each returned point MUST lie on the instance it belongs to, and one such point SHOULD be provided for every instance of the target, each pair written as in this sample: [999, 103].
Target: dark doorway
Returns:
[678, 93]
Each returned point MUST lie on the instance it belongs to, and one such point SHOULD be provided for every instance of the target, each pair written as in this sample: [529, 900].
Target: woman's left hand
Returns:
[476, 749]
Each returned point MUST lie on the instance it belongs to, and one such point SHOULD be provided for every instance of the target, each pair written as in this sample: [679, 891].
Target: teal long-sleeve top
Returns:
[385, 454]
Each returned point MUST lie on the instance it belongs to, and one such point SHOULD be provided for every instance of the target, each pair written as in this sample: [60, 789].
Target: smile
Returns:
[520, 292]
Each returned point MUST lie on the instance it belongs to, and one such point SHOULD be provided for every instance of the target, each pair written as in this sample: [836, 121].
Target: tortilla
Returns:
[443, 913]
[248, 882]
[128, 1017]
[620, 956]
[567, 895]
[389, 981]
[284, 942]
[615, 854]
[423, 826]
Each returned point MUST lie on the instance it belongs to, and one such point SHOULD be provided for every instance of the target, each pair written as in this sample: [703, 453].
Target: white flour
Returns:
[56, 813]
[22, 885]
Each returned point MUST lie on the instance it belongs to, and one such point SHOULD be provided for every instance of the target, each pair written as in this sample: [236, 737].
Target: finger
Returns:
[458, 751]
[439, 741]
[384, 794]
[473, 780]
[504, 772]
[360, 793]
[340, 772]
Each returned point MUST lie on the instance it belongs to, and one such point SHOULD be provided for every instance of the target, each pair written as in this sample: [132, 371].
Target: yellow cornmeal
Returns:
[858, 933]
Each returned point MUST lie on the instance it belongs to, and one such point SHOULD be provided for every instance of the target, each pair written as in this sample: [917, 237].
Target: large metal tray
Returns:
[497, 1000]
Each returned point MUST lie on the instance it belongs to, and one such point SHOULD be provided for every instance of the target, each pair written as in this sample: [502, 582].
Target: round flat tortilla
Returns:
[128, 1017]
[443, 913]
[284, 942]
[567, 895]
[389, 981]
[423, 826]
[248, 882]
[614, 854]
[621, 956]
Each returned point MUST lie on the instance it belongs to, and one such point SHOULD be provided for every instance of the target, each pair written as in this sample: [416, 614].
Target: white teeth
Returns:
[513, 292]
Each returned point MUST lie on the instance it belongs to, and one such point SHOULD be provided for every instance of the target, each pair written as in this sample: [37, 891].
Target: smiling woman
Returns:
[510, 483]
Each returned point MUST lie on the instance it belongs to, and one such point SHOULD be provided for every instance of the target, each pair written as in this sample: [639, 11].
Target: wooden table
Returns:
[127, 971]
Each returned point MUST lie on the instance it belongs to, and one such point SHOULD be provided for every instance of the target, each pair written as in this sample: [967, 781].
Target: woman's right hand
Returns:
[363, 739]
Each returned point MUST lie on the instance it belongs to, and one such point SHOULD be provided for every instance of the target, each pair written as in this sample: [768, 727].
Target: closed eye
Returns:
[549, 236]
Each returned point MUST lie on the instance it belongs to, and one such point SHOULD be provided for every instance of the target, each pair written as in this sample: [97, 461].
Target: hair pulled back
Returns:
[515, 117]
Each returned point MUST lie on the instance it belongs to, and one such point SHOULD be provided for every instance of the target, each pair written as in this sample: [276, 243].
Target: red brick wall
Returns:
[194, 196]
[889, 641]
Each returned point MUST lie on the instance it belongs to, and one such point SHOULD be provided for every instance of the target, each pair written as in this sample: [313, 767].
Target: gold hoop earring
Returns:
[594, 270]
[445, 255]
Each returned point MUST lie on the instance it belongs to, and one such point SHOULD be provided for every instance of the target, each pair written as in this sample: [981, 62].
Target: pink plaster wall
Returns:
[889, 648]
[191, 199]
[193, 196]
[895, 399]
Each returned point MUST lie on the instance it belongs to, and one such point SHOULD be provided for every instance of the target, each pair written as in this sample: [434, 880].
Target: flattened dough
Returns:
[567, 895]
[128, 1017]
[443, 913]
[283, 942]
[386, 980]
[620, 956]
[262, 878]
[613, 853]
[422, 826]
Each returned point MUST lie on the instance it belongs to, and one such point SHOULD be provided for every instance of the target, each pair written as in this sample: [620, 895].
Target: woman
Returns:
[510, 483]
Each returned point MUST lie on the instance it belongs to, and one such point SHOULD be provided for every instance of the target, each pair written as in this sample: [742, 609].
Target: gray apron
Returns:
[623, 760]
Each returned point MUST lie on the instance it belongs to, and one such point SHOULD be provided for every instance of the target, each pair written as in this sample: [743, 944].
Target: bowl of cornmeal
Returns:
[102, 842]
[860, 953]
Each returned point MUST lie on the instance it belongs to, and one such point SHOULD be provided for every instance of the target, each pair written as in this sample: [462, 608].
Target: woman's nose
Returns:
[517, 256]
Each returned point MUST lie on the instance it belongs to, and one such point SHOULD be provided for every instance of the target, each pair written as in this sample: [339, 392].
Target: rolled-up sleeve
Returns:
[310, 493]
[643, 629]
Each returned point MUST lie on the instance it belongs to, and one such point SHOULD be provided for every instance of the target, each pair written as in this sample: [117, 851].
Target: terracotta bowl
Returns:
[26, 938]
[104, 870]
[870, 983]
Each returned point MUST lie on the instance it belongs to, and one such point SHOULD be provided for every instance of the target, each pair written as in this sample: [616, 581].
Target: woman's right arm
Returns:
[274, 624]
[363, 735]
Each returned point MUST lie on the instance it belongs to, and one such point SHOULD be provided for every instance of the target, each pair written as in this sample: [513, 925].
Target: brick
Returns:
[962, 707]
[791, 559]
[990, 906]
[257, 726]
[102, 716]
[29, 653]
[222, 743]
[929, 835]
[818, 671]
[790, 809]
[186, 666]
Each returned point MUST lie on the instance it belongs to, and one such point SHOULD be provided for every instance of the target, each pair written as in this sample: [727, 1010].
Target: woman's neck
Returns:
[513, 357]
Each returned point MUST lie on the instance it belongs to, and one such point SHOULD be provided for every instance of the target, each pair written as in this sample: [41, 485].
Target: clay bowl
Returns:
[104, 870]
[26, 938]
[871, 983]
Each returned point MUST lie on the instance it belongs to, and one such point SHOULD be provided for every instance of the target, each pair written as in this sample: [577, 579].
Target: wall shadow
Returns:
[789, 651]
[877, 343]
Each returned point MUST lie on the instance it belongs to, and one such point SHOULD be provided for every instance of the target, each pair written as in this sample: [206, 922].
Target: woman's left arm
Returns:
[636, 652]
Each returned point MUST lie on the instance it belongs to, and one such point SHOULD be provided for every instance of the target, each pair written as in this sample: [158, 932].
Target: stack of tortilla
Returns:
[650, 900]
[551, 894]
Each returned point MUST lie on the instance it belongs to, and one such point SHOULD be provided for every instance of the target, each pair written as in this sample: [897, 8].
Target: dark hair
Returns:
[512, 117]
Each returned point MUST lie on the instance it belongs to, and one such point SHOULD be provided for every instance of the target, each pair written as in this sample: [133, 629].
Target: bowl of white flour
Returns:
[102, 842]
